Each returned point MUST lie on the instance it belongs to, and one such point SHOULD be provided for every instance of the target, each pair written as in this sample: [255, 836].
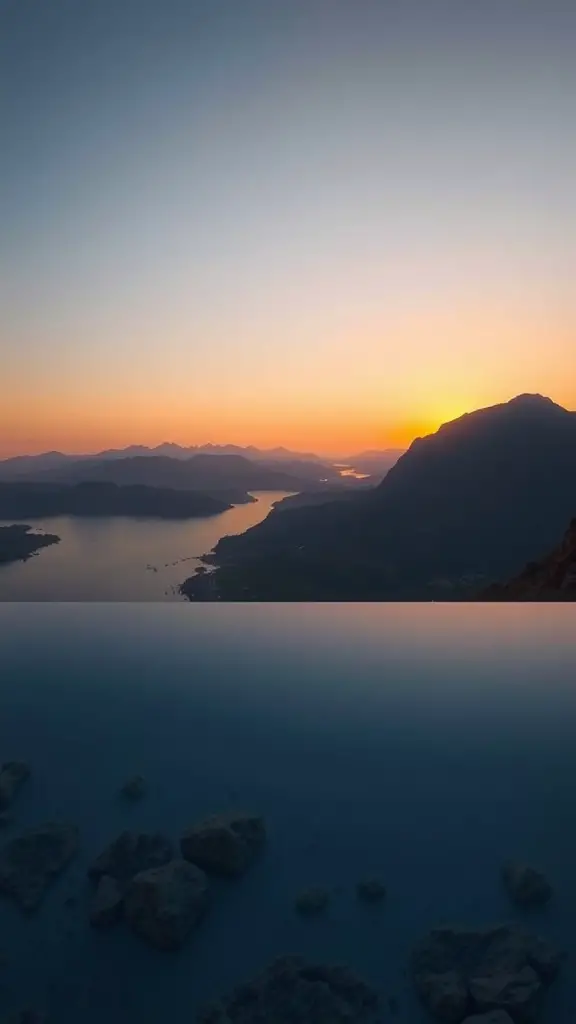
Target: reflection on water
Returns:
[121, 558]
[351, 472]
[424, 744]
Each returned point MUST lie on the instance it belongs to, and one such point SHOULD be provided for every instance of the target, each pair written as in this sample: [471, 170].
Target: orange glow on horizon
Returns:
[79, 434]
[365, 387]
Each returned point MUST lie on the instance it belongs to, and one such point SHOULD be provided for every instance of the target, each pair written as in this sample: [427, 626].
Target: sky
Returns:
[328, 224]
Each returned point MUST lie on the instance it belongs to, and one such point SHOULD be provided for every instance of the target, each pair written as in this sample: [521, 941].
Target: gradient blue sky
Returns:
[326, 224]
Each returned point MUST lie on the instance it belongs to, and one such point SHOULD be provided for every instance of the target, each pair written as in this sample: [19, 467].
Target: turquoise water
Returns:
[421, 743]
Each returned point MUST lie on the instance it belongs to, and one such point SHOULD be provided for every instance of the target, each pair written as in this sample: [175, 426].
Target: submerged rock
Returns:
[13, 774]
[134, 788]
[371, 890]
[164, 904]
[517, 991]
[130, 853]
[224, 844]
[292, 991]
[107, 902]
[312, 901]
[31, 861]
[526, 886]
[461, 972]
[444, 994]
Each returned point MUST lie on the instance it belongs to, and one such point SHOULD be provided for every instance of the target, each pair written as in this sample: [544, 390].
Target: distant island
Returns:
[39, 501]
[18, 543]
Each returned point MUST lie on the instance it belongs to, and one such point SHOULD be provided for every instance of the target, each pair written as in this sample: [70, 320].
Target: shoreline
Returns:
[18, 543]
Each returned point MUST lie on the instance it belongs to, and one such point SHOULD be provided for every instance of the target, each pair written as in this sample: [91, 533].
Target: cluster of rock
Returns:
[293, 991]
[497, 975]
[31, 861]
[163, 895]
[462, 974]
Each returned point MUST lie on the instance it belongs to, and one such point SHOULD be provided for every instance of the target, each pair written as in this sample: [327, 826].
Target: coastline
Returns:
[18, 543]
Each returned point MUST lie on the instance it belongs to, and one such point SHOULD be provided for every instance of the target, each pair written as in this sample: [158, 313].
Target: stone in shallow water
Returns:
[12, 775]
[526, 886]
[130, 853]
[31, 861]
[462, 971]
[371, 890]
[292, 991]
[224, 844]
[107, 902]
[312, 901]
[134, 788]
[517, 991]
[445, 994]
[164, 904]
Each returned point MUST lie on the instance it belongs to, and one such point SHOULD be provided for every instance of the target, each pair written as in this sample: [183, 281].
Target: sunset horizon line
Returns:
[298, 448]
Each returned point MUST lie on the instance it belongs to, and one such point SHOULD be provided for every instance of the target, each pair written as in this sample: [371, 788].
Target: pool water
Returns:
[423, 744]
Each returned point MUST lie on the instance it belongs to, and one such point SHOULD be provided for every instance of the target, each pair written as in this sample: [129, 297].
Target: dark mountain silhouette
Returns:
[177, 451]
[306, 498]
[553, 578]
[22, 465]
[228, 475]
[18, 543]
[38, 501]
[30, 465]
[470, 503]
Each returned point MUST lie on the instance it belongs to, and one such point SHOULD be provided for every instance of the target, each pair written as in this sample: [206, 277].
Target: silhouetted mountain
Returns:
[553, 578]
[22, 465]
[307, 498]
[229, 475]
[471, 502]
[38, 501]
[30, 465]
[18, 543]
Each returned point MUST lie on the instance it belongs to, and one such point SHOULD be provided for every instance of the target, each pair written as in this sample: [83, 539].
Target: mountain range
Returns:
[463, 507]
[306, 465]
[28, 465]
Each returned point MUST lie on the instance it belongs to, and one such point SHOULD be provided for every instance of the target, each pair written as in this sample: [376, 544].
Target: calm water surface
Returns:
[422, 743]
[121, 558]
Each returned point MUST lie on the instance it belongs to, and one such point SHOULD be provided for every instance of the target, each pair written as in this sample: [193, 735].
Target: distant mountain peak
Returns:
[522, 410]
[534, 401]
